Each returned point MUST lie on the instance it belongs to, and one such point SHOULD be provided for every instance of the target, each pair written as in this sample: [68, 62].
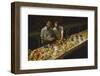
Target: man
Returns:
[47, 33]
[58, 30]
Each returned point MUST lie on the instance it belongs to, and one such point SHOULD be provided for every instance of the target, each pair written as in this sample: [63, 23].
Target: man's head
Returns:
[56, 24]
[49, 24]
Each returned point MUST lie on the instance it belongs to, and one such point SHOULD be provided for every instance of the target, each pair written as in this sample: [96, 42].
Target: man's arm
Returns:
[62, 32]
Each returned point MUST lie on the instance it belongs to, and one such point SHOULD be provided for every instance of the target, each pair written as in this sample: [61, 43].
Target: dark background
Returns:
[71, 25]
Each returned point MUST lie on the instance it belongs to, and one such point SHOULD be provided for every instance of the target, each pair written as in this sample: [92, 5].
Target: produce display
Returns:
[59, 47]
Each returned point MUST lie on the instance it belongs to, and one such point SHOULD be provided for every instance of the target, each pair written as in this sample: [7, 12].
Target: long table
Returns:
[59, 48]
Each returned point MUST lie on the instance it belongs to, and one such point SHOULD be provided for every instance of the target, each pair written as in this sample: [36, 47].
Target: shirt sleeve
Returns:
[46, 36]
[42, 34]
